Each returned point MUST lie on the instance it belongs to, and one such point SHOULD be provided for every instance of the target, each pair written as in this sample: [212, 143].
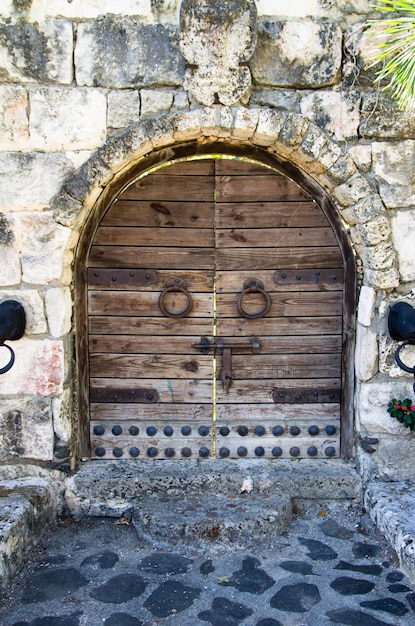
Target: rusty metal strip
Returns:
[282, 395]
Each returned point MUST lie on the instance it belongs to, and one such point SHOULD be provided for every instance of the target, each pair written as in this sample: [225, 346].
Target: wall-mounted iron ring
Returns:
[405, 368]
[175, 285]
[401, 325]
[253, 285]
[12, 327]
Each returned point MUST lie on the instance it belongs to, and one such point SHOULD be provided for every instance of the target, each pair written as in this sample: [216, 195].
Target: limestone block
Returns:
[366, 356]
[155, 101]
[375, 231]
[33, 52]
[365, 308]
[58, 303]
[385, 279]
[88, 8]
[217, 39]
[403, 229]
[395, 459]
[394, 167]
[67, 119]
[268, 127]
[33, 304]
[14, 123]
[355, 189]
[29, 181]
[373, 404]
[362, 156]
[381, 118]
[335, 112]
[44, 244]
[186, 125]
[181, 100]
[342, 169]
[294, 129]
[302, 53]
[63, 416]
[9, 252]
[380, 257]
[368, 209]
[26, 429]
[119, 52]
[123, 108]
[38, 368]
[305, 8]
[314, 142]
[276, 98]
[245, 124]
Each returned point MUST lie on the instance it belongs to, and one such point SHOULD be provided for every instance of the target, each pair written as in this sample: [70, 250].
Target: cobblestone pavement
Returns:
[330, 567]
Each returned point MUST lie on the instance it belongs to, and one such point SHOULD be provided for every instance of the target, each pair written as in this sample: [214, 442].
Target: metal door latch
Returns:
[205, 345]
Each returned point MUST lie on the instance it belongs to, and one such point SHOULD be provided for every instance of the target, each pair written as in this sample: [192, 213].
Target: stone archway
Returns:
[273, 137]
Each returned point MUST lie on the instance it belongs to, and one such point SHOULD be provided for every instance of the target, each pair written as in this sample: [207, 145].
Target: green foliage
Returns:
[395, 49]
[403, 411]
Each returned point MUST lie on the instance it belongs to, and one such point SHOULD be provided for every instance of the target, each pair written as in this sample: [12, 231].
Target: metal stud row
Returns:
[151, 431]
[153, 452]
[224, 431]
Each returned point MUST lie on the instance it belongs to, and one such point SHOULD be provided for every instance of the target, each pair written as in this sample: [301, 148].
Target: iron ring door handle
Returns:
[252, 285]
[9, 365]
[176, 285]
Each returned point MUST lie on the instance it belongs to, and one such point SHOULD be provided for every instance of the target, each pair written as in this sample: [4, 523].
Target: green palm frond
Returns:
[394, 47]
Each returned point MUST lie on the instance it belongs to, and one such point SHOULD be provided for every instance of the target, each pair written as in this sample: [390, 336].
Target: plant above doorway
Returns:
[403, 411]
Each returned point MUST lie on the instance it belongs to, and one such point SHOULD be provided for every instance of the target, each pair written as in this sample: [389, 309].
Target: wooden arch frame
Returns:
[193, 150]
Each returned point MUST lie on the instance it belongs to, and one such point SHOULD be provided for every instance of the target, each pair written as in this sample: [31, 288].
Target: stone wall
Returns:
[87, 89]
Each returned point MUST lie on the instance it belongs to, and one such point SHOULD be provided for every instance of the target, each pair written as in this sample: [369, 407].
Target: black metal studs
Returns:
[186, 452]
[186, 430]
[169, 452]
[116, 430]
[295, 431]
[277, 431]
[151, 431]
[313, 430]
[134, 452]
[330, 451]
[99, 430]
[277, 451]
[100, 452]
[242, 431]
[168, 431]
[259, 430]
[312, 451]
[117, 452]
[203, 431]
[152, 452]
[223, 453]
[294, 451]
[330, 430]
[134, 431]
[259, 451]
[204, 453]
[224, 431]
[242, 451]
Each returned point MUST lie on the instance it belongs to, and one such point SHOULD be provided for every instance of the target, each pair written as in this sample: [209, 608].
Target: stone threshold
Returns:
[391, 505]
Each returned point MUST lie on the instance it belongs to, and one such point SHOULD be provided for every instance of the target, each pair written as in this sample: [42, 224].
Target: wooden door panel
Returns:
[114, 279]
[277, 326]
[265, 258]
[297, 214]
[261, 391]
[147, 304]
[258, 189]
[285, 280]
[282, 304]
[150, 257]
[159, 188]
[274, 237]
[169, 390]
[152, 366]
[144, 344]
[147, 213]
[126, 236]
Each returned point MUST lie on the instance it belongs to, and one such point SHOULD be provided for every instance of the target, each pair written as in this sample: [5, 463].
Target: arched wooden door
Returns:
[215, 296]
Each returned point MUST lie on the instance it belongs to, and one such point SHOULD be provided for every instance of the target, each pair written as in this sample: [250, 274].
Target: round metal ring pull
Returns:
[9, 365]
[405, 368]
[175, 285]
[252, 285]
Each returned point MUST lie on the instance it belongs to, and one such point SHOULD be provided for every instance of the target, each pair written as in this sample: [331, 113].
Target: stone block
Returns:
[26, 428]
[368, 209]
[335, 112]
[29, 181]
[67, 119]
[394, 167]
[58, 303]
[117, 52]
[44, 244]
[375, 231]
[362, 156]
[9, 252]
[355, 189]
[314, 142]
[304, 54]
[63, 416]
[38, 368]
[186, 125]
[181, 100]
[365, 310]
[372, 407]
[14, 122]
[366, 356]
[342, 169]
[245, 122]
[89, 9]
[277, 99]
[36, 52]
[123, 108]
[33, 304]
[380, 257]
[155, 101]
[268, 127]
[381, 118]
[403, 229]
[294, 129]
[385, 279]
[395, 458]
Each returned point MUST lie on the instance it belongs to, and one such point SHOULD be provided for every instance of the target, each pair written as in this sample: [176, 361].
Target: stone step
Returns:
[209, 521]
[113, 488]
